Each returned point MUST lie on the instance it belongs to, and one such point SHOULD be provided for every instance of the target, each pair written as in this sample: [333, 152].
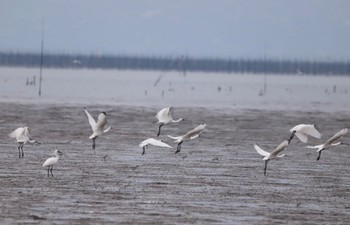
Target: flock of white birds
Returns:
[302, 131]
[164, 117]
[99, 127]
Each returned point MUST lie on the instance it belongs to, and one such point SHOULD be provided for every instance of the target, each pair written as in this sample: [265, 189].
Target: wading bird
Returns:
[274, 154]
[50, 162]
[330, 142]
[188, 136]
[98, 128]
[22, 135]
[151, 141]
[303, 130]
[164, 117]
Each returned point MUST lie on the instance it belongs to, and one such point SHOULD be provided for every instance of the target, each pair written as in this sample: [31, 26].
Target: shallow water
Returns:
[215, 179]
[238, 91]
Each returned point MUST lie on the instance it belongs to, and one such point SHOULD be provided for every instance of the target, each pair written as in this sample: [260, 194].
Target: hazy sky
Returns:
[307, 29]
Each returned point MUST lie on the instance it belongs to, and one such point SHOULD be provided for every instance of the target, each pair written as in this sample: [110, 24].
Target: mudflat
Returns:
[215, 179]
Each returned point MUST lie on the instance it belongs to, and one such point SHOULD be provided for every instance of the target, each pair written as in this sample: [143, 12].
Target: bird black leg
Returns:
[178, 147]
[93, 143]
[51, 171]
[291, 137]
[265, 167]
[160, 126]
[19, 151]
[319, 155]
[48, 171]
[144, 149]
[22, 150]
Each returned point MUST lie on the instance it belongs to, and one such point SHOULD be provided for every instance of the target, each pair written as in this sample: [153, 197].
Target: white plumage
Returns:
[50, 162]
[274, 154]
[98, 128]
[22, 135]
[151, 141]
[188, 136]
[304, 130]
[164, 117]
[330, 142]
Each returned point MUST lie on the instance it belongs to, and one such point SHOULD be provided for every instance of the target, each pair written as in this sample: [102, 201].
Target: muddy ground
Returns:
[216, 179]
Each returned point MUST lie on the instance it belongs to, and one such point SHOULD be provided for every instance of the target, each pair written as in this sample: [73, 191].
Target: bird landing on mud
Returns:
[273, 155]
[98, 128]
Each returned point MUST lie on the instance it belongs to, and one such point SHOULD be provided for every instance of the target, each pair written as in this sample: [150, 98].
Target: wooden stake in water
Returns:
[265, 70]
[41, 57]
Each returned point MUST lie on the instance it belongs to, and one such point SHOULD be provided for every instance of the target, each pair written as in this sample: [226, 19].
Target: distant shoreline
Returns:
[180, 63]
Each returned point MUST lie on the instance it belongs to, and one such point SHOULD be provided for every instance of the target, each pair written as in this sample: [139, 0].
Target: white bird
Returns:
[188, 136]
[50, 162]
[75, 61]
[330, 142]
[164, 117]
[151, 141]
[303, 130]
[98, 128]
[274, 154]
[22, 135]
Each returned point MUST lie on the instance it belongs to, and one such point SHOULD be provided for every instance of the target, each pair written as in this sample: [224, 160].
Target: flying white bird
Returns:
[274, 154]
[188, 136]
[98, 128]
[22, 135]
[303, 130]
[151, 141]
[330, 142]
[164, 117]
[50, 162]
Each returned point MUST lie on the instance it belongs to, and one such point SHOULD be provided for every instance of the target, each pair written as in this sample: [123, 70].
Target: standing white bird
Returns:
[50, 162]
[164, 117]
[303, 130]
[274, 154]
[151, 141]
[98, 128]
[188, 136]
[22, 135]
[330, 142]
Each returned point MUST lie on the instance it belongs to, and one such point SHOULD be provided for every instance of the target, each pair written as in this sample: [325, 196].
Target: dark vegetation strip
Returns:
[176, 63]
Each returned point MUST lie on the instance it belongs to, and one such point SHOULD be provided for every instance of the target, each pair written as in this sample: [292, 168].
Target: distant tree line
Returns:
[175, 63]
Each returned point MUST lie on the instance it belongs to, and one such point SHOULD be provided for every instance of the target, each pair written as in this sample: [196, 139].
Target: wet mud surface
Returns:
[215, 179]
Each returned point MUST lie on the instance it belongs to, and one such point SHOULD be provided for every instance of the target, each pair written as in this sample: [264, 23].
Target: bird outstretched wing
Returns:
[159, 143]
[302, 137]
[101, 120]
[319, 147]
[91, 119]
[195, 131]
[280, 148]
[309, 129]
[337, 136]
[261, 151]
[164, 114]
[154, 142]
[303, 130]
[16, 133]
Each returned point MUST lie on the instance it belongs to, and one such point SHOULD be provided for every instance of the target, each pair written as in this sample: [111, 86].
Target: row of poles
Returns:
[41, 56]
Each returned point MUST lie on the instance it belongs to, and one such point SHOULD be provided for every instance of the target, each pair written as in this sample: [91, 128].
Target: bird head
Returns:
[57, 152]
